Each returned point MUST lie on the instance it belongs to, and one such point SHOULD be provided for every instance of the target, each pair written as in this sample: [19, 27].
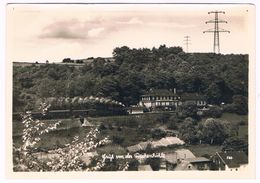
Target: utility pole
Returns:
[216, 30]
[187, 42]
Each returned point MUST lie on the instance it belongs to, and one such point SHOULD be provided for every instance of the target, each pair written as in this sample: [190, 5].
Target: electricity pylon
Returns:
[216, 30]
[187, 42]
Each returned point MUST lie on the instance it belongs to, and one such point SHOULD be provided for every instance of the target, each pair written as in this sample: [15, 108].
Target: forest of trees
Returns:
[221, 78]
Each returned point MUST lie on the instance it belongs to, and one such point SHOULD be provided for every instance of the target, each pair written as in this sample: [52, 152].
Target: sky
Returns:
[57, 31]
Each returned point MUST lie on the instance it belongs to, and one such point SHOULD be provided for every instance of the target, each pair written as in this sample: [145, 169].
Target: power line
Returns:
[216, 30]
[187, 41]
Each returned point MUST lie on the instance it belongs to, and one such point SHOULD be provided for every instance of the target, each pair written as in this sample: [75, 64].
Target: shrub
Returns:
[110, 126]
[242, 123]
[215, 131]
[172, 126]
[239, 105]
[118, 139]
[155, 163]
[235, 144]
[133, 165]
[158, 134]
[214, 112]
[172, 122]
[229, 108]
[132, 122]
[164, 117]
[102, 127]
[188, 109]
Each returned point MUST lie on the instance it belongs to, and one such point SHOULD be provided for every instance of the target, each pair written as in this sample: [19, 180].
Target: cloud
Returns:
[62, 34]
[71, 29]
[101, 27]
[75, 29]
[134, 20]
[95, 32]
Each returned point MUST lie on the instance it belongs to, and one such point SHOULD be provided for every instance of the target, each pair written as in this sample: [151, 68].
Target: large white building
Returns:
[169, 100]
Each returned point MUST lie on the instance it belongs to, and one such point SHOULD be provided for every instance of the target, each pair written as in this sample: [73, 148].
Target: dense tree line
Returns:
[221, 78]
[68, 60]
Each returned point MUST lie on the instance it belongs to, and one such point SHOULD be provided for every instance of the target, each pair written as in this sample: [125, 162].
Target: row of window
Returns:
[200, 102]
[161, 98]
[166, 103]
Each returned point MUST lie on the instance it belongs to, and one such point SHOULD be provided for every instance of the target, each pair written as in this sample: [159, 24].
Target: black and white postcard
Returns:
[125, 90]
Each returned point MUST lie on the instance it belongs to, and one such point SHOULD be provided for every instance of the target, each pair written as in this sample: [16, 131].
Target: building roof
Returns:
[138, 147]
[192, 96]
[167, 141]
[233, 159]
[184, 154]
[136, 108]
[198, 160]
[164, 92]
[180, 154]
[145, 168]
[184, 165]
[164, 142]
[159, 92]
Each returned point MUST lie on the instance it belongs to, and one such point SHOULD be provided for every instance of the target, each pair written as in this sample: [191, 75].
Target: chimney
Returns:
[174, 90]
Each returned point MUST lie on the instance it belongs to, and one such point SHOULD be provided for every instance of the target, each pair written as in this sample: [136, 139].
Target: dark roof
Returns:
[198, 160]
[233, 158]
[136, 108]
[159, 92]
[192, 96]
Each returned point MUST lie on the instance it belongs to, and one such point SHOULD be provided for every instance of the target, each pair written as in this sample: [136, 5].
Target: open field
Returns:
[128, 130]
[232, 118]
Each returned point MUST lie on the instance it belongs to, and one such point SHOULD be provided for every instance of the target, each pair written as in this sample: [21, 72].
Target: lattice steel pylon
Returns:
[187, 41]
[216, 30]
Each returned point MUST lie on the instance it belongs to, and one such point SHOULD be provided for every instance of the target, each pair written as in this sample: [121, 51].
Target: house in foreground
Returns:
[184, 159]
[230, 161]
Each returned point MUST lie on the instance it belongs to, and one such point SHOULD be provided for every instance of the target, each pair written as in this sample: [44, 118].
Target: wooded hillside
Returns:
[221, 78]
